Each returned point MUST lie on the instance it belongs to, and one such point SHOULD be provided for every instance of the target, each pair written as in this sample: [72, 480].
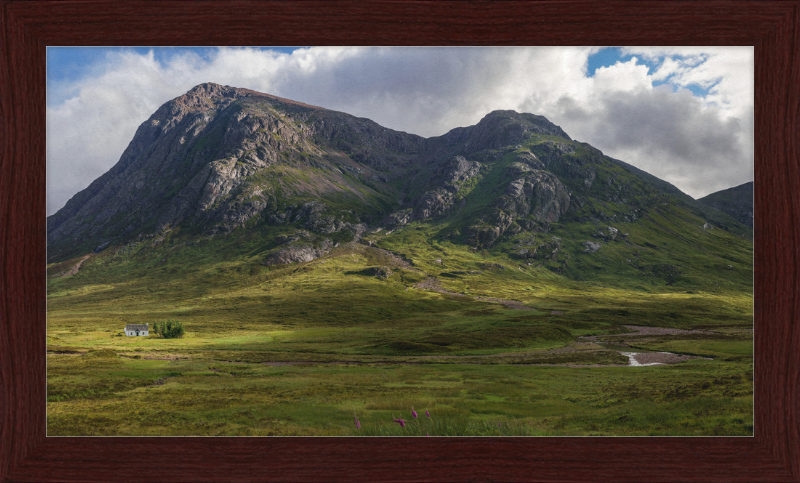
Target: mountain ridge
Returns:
[220, 158]
[387, 151]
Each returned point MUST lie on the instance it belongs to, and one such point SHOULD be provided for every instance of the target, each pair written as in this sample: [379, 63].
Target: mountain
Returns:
[225, 161]
[736, 201]
[217, 156]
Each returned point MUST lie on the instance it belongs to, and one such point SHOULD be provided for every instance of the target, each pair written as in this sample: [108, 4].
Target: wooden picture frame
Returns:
[26, 454]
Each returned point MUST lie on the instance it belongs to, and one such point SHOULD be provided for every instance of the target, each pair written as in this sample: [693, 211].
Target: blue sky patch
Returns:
[609, 56]
[695, 89]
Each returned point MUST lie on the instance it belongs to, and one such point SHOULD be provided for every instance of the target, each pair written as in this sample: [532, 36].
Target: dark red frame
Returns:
[773, 27]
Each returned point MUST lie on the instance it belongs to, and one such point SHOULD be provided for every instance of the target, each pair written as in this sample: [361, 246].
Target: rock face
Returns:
[448, 181]
[219, 159]
[538, 194]
[736, 202]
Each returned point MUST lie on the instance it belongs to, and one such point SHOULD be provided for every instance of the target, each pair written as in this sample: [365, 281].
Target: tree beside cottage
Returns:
[137, 330]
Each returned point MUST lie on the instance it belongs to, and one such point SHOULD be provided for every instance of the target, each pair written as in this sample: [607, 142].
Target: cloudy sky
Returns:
[684, 114]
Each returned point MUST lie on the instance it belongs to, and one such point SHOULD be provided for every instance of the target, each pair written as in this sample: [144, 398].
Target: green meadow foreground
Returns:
[486, 344]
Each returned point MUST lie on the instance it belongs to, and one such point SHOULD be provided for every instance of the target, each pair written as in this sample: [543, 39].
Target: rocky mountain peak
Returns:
[210, 95]
[527, 123]
[501, 128]
[202, 97]
[211, 89]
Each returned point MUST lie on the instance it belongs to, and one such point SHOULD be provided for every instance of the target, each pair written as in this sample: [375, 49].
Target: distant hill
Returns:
[736, 201]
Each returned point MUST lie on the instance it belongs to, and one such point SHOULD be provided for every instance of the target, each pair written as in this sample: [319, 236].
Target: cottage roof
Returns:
[136, 327]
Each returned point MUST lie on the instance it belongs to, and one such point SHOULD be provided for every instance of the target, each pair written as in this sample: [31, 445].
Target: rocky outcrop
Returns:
[454, 172]
[535, 198]
[449, 177]
[301, 246]
[489, 228]
[538, 194]
[447, 185]
[524, 163]
[608, 233]
[401, 217]
[562, 160]
[432, 203]
[546, 249]
[590, 246]
[293, 254]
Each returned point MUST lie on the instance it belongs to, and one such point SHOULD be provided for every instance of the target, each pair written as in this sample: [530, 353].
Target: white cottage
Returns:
[137, 329]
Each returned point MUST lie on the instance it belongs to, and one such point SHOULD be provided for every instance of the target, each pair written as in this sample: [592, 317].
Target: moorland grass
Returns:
[378, 346]
[145, 397]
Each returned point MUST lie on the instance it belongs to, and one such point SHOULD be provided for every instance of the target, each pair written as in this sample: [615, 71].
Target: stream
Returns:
[644, 357]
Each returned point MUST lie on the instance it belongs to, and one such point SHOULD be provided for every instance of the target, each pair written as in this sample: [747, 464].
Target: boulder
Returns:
[591, 247]
[608, 234]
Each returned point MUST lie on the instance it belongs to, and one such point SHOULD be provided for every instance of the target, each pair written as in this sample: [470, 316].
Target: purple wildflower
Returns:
[427, 413]
[413, 413]
[499, 425]
[358, 423]
[401, 422]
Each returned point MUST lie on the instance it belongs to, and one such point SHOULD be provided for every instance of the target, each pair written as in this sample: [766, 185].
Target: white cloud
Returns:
[728, 69]
[429, 91]
[622, 76]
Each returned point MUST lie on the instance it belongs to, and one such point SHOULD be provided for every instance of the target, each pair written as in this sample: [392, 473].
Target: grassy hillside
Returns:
[296, 349]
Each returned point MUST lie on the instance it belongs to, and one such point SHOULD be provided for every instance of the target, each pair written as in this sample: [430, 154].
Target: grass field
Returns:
[303, 349]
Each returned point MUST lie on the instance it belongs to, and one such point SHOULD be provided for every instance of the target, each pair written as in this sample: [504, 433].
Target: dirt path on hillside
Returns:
[432, 283]
[77, 266]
